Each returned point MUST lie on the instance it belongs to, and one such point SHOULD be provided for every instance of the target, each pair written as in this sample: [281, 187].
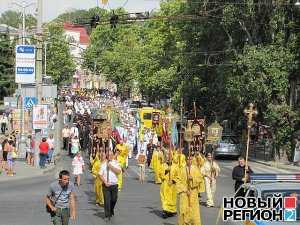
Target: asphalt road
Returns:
[21, 202]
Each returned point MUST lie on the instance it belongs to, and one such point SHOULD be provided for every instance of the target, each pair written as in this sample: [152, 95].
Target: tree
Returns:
[60, 65]
[220, 54]
[14, 19]
[82, 17]
[7, 74]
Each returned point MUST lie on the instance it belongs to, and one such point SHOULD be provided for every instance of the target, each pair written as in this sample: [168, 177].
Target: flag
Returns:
[174, 134]
[104, 2]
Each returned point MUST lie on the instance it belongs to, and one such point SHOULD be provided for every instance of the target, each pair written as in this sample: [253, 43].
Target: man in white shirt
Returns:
[74, 131]
[69, 114]
[66, 137]
[4, 123]
[109, 171]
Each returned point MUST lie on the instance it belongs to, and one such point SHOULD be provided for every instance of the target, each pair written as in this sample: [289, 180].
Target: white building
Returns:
[79, 40]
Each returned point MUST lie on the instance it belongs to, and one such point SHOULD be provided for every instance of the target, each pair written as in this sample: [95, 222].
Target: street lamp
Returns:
[297, 3]
[24, 5]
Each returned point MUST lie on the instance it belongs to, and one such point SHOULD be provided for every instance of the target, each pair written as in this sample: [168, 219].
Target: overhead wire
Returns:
[233, 3]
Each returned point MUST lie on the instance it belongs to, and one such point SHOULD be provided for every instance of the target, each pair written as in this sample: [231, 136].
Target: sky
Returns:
[52, 8]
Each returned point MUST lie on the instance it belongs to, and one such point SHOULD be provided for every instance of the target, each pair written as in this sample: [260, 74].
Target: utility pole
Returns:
[23, 6]
[23, 24]
[45, 58]
[39, 70]
[39, 58]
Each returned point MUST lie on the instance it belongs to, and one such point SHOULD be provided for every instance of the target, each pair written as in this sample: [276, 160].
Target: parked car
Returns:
[228, 146]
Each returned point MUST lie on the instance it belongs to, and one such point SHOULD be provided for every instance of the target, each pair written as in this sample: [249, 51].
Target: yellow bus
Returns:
[150, 116]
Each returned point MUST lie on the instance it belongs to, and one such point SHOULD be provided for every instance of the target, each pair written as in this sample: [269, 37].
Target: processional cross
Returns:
[250, 113]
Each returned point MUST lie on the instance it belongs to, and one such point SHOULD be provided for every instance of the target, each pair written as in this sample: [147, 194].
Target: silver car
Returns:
[228, 146]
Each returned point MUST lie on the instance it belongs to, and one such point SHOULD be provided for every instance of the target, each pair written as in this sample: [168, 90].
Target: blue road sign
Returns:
[29, 102]
[25, 70]
[25, 49]
[25, 64]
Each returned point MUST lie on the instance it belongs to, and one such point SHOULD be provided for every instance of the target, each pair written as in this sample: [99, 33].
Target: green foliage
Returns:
[261, 75]
[219, 54]
[282, 119]
[7, 74]
[60, 65]
[14, 19]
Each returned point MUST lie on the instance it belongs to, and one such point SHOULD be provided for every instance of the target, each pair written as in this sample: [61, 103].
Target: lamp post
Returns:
[23, 6]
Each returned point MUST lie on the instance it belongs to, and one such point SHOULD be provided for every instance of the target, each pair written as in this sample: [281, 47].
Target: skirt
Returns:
[77, 170]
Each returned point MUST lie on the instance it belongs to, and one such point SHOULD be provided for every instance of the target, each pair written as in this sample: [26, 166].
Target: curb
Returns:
[40, 174]
[273, 164]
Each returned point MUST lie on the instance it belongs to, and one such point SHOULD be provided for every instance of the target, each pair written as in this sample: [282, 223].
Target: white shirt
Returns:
[50, 142]
[66, 132]
[112, 177]
[155, 139]
[74, 132]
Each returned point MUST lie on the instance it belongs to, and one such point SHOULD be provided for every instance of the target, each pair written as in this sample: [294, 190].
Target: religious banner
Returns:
[40, 117]
[198, 128]
[215, 131]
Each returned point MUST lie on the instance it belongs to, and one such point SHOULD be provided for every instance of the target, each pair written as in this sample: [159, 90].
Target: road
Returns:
[21, 202]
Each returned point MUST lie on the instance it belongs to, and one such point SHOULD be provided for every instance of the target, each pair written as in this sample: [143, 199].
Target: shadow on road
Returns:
[154, 211]
[100, 215]
[151, 182]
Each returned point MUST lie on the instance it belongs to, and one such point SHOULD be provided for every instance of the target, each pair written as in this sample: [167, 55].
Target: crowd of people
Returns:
[106, 152]
[179, 175]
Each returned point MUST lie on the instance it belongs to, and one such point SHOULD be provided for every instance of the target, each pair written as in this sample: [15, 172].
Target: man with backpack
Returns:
[60, 201]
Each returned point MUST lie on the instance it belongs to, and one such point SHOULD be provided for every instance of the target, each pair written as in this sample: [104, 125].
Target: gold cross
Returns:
[250, 112]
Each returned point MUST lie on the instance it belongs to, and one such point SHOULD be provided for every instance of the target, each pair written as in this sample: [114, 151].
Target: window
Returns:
[147, 116]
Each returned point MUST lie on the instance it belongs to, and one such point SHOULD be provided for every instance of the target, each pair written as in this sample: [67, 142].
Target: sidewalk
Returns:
[24, 171]
[290, 167]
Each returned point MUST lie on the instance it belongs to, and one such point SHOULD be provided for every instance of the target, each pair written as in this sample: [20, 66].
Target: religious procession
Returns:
[155, 140]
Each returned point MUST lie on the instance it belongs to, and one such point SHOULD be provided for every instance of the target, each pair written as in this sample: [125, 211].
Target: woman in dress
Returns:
[297, 152]
[78, 167]
[75, 145]
[30, 150]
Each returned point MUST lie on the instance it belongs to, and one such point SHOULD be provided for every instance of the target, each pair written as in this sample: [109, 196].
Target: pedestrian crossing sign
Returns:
[29, 102]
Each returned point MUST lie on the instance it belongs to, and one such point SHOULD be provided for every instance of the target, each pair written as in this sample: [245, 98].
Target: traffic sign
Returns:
[29, 102]
[25, 64]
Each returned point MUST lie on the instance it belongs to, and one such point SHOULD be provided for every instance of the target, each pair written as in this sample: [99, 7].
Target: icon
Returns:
[290, 215]
[21, 49]
[290, 202]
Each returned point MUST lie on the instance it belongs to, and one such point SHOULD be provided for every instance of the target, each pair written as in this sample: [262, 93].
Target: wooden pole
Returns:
[247, 154]
[250, 113]
[195, 110]
[181, 118]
